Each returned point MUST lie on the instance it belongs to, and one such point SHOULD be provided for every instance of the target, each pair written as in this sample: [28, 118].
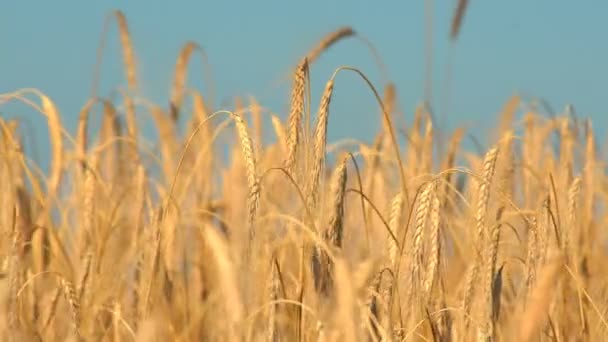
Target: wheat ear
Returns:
[252, 180]
[538, 301]
[572, 231]
[457, 19]
[420, 220]
[320, 141]
[274, 292]
[296, 111]
[328, 41]
[72, 298]
[180, 77]
[127, 50]
[435, 245]
[489, 164]
[491, 257]
[322, 264]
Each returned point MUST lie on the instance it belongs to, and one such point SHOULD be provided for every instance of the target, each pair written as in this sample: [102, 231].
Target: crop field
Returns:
[221, 230]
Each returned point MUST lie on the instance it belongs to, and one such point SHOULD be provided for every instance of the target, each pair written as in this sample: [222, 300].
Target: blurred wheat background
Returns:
[237, 223]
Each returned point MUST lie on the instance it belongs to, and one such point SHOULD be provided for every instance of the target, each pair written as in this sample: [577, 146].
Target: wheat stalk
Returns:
[226, 281]
[345, 302]
[52, 308]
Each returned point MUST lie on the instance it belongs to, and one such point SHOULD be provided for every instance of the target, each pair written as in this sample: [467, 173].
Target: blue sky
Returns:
[556, 50]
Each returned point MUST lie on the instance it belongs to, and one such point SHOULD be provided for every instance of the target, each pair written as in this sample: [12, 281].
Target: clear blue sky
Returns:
[556, 50]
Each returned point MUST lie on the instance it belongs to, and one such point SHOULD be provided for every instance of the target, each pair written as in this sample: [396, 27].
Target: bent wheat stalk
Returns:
[181, 74]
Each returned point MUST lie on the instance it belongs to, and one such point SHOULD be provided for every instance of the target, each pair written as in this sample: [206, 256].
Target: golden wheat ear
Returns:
[296, 111]
[179, 79]
[180, 76]
[328, 41]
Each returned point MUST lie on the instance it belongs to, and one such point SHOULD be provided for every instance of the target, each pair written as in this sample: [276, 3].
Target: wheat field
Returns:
[299, 239]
